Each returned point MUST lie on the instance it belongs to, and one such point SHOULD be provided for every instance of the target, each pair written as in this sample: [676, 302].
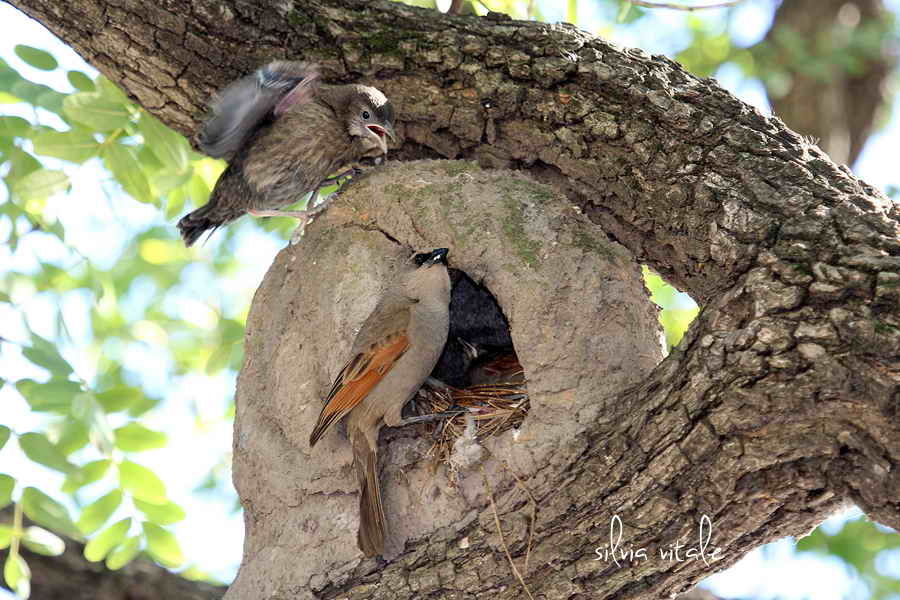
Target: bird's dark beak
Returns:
[439, 255]
[381, 134]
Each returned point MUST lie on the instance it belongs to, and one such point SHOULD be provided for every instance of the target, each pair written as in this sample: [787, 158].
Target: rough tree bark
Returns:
[780, 404]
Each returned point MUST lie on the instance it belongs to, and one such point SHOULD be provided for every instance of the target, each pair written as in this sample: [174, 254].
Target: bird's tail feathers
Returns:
[371, 512]
[206, 218]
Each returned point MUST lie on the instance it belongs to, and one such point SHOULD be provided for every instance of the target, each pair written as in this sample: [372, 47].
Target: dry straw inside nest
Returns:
[495, 408]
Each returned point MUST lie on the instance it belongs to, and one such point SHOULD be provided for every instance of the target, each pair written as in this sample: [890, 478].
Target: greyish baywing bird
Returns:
[395, 350]
[283, 134]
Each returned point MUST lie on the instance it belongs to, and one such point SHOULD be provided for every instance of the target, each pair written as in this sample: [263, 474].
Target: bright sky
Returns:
[99, 227]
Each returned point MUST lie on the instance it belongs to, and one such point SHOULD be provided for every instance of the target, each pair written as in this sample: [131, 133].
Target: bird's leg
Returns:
[306, 216]
[296, 214]
[312, 210]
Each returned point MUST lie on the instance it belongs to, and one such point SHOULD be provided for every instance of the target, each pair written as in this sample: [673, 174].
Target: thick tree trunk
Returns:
[782, 401]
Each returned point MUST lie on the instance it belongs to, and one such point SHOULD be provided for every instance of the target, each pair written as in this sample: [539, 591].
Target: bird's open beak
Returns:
[381, 134]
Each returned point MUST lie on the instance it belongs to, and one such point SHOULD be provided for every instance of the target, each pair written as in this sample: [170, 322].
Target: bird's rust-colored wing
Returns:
[357, 379]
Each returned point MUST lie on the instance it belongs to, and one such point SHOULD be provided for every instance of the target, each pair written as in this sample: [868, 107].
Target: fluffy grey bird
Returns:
[394, 351]
[284, 134]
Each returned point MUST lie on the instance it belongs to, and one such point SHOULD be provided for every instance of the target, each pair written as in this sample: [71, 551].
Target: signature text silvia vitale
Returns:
[677, 551]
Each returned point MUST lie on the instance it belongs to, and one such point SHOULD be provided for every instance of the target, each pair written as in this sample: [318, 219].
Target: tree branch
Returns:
[73, 577]
[684, 7]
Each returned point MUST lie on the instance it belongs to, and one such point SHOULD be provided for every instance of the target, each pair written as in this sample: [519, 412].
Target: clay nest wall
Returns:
[581, 321]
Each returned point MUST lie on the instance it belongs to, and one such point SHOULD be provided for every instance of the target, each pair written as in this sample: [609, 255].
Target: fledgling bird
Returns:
[283, 135]
[394, 351]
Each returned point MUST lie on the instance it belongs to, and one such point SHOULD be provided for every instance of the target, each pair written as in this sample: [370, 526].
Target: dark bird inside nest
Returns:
[284, 135]
[478, 336]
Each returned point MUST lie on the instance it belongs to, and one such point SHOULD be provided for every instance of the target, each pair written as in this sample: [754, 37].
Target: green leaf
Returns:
[75, 146]
[37, 58]
[119, 398]
[175, 200]
[165, 182]
[22, 164]
[4, 434]
[37, 94]
[142, 483]
[44, 510]
[148, 159]
[41, 541]
[45, 354]
[199, 191]
[87, 474]
[170, 147]
[161, 514]
[17, 575]
[134, 437]
[109, 538]
[56, 395]
[14, 127]
[74, 436]
[80, 81]
[124, 553]
[6, 534]
[232, 331]
[98, 512]
[96, 110]
[219, 359]
[7, 485]
[41, 184]
[41, 450]
[120, 160]
[162, 546]
[145, 404]
[110, 91]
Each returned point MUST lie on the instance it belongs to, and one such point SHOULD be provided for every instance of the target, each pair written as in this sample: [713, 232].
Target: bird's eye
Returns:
[366, 115]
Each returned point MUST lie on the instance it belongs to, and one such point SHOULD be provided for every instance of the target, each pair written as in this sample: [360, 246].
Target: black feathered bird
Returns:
[284, 134]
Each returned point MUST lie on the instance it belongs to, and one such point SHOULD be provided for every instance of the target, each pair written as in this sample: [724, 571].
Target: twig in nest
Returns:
[671, 6]
[518, 575]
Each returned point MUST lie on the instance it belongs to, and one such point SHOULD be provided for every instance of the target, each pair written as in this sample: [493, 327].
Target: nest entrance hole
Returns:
[478, 371]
